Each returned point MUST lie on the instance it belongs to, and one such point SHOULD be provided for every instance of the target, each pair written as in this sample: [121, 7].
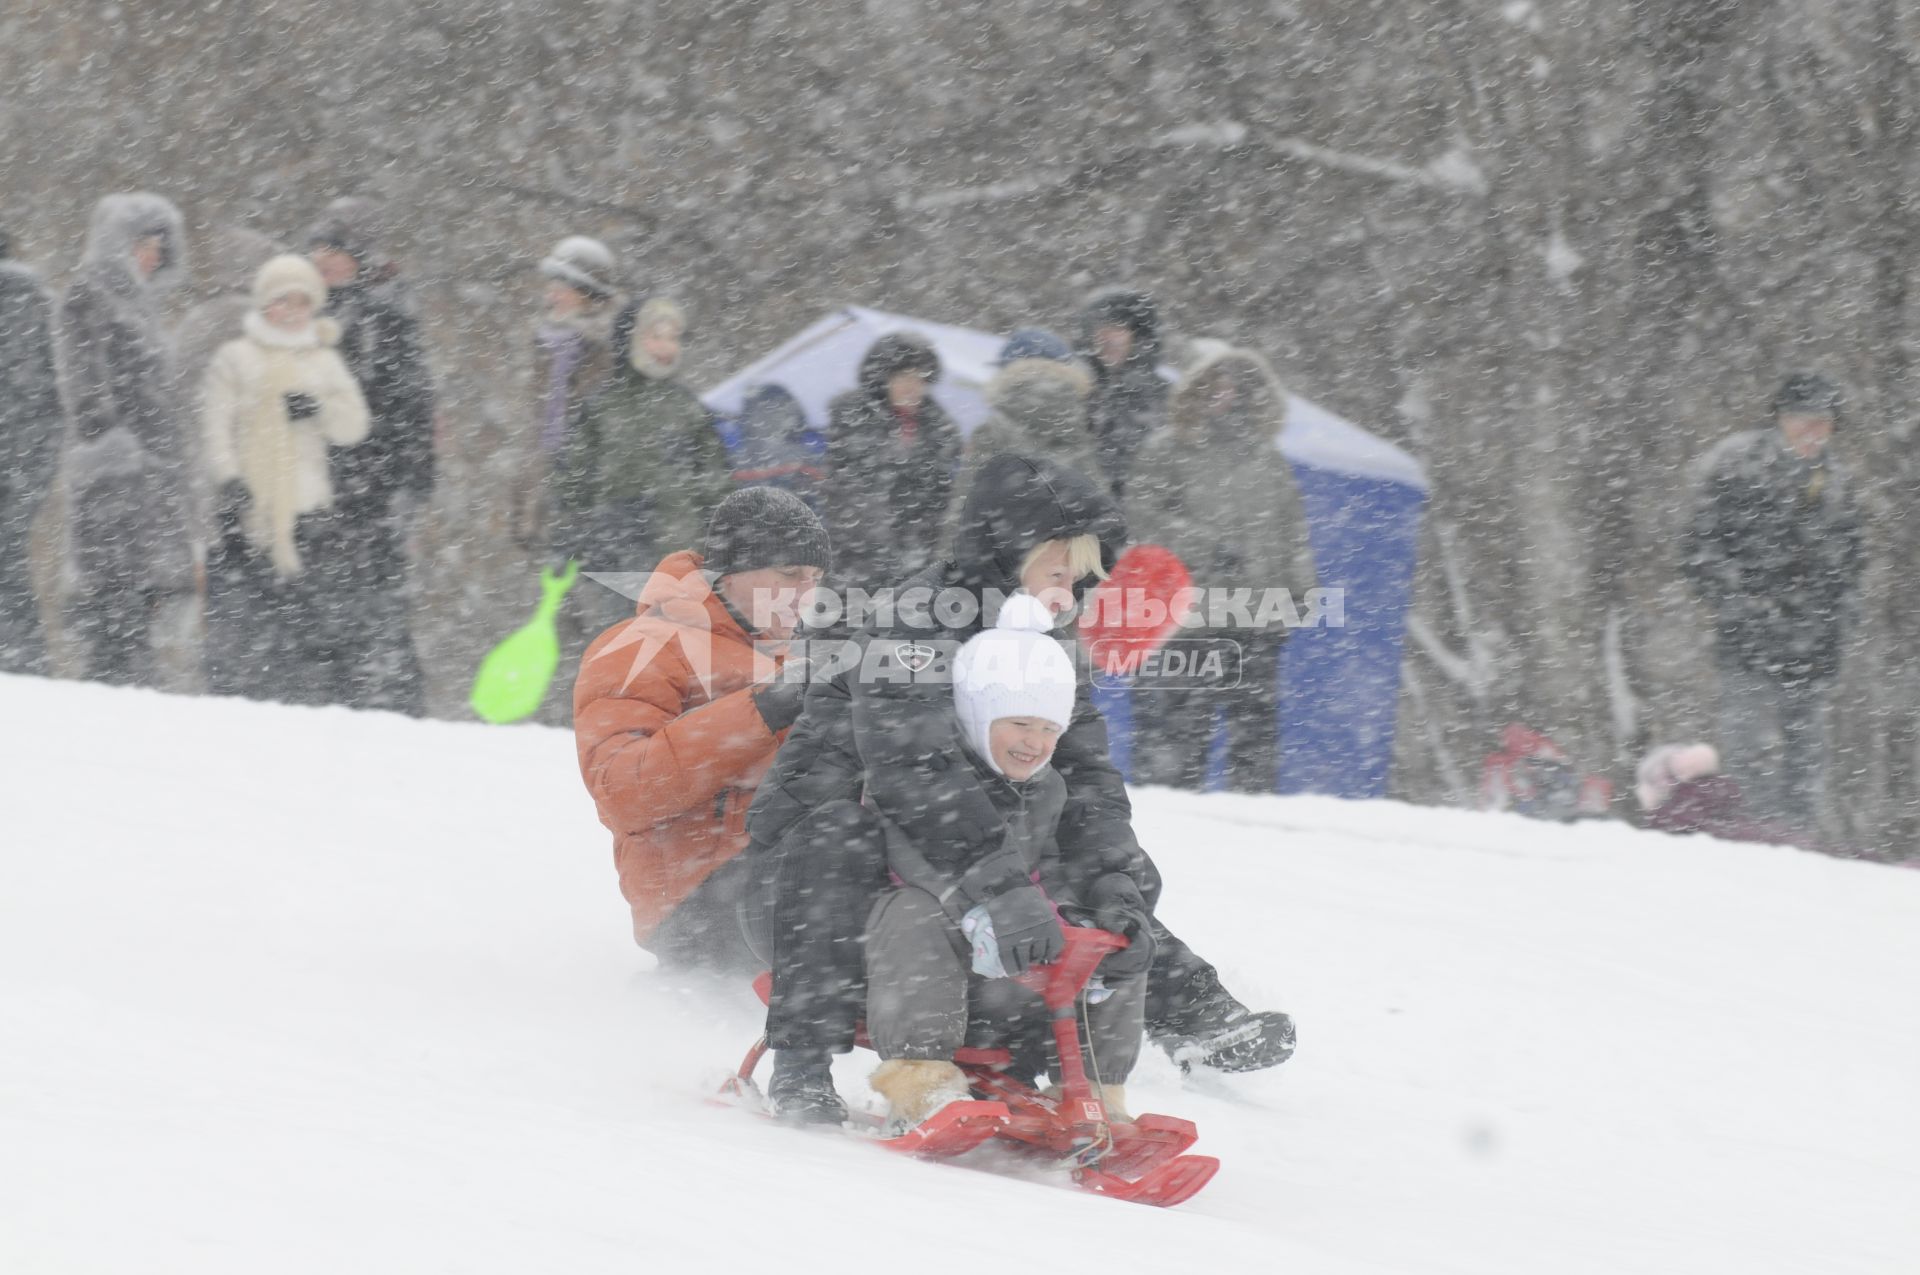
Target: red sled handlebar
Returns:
[1059, 982]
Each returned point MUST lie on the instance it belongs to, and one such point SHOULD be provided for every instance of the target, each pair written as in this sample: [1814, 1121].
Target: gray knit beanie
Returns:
[759, 527]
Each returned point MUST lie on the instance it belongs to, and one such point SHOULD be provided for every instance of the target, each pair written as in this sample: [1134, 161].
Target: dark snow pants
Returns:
[924, 1001]
[806, 914]
[807, 919]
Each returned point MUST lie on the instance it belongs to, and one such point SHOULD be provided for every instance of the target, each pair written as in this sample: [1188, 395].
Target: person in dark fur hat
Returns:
[891, 454]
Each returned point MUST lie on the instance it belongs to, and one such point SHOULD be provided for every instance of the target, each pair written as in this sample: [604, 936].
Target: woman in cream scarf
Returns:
[272, 403]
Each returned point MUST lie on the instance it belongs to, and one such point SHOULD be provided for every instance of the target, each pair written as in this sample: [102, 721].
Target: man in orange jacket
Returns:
[677, 714]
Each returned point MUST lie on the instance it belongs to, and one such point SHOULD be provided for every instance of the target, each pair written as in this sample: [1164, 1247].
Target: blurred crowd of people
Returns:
[234, 493]
[236, 490]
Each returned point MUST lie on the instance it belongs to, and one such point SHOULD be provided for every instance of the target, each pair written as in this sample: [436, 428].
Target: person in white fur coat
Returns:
[271, 404]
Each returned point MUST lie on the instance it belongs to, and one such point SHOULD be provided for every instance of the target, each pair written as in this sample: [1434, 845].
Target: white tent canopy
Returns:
[824, 360]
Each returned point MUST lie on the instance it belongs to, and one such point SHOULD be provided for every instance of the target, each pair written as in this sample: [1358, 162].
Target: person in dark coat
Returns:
[1773, 548]
[128, 512]
[380, 485]
[1120, 338]
[891, 455]
[878, 737]
[32, 423]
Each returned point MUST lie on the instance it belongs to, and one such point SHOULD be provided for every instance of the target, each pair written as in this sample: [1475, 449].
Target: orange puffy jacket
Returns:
[671, 744]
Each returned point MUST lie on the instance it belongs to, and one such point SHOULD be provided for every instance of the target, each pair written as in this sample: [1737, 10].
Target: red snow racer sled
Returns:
[1141, 1160]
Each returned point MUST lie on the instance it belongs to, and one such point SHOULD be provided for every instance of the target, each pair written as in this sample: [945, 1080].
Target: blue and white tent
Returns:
[1364, 499]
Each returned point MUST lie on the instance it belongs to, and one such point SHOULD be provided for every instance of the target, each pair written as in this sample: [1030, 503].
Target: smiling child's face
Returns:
[1022, 746]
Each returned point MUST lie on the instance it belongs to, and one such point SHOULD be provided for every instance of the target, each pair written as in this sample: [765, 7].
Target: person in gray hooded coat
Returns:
[128, 515]
[1039, 409]
[1213, 487]
[31, 424]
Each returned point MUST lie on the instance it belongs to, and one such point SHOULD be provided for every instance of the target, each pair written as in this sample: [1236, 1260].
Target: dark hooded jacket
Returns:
[883, 723]
[1128, 402]
[887, 480]
[1774, 550]
[129, 519]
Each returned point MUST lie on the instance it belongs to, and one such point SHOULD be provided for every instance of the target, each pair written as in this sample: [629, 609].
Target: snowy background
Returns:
[1554, 247]
[300, 990]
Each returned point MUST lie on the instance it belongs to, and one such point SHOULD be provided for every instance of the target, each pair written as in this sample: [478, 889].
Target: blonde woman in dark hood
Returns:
[128, 511]
[1213, 487]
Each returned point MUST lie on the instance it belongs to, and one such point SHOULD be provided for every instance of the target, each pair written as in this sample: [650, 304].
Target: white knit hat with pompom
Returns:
[1013, 669]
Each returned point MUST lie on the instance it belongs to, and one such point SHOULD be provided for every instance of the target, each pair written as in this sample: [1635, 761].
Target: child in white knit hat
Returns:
[941, 948]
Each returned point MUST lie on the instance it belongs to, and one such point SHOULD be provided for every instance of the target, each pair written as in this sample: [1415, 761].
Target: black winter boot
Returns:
[1211, 1029]
[801, 1091]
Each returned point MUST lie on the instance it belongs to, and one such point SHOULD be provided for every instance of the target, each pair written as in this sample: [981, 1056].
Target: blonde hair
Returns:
[1083, 556]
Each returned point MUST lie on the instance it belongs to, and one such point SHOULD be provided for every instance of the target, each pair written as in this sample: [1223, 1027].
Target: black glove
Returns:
[780, 704]
[301, 406]
[1026, 928]
[1114, 904]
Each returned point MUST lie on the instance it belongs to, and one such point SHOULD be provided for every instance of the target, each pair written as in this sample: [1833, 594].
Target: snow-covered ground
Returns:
[308, 991]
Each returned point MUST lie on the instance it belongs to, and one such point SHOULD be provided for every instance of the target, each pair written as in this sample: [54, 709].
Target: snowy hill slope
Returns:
[308, 991]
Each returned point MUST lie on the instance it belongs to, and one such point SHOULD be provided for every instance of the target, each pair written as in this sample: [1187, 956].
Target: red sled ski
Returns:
[1142, 1160]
